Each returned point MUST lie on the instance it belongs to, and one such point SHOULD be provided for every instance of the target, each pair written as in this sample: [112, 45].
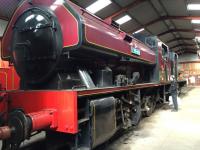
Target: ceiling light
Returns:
[138, 31]
[98, 5]
[123, 19]
[193, 6]
[197, 38]
[195, 21]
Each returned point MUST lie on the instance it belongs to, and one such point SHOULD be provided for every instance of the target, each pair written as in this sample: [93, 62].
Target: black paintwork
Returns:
[36, 45]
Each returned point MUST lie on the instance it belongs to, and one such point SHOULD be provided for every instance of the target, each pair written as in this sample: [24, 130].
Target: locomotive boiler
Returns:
[81, 79]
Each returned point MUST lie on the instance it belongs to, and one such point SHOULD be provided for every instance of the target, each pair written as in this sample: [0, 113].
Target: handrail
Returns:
[85, 11]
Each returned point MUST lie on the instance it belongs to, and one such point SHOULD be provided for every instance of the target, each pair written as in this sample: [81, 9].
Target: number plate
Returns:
[135, 51]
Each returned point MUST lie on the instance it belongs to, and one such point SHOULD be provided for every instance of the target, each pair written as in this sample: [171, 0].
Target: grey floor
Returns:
[166, 130]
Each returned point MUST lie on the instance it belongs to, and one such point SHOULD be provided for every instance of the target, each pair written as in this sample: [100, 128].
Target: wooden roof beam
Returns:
[188, 49]
[194, 51]
[177, 39]
[179, 30]
[181, 45]
[4, 18]
[163, 18]
[133, 4]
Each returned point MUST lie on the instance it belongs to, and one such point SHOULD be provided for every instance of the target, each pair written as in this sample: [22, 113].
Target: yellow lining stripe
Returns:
[115, 50]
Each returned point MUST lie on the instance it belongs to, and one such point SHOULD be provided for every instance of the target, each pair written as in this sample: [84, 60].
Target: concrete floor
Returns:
[166, 130]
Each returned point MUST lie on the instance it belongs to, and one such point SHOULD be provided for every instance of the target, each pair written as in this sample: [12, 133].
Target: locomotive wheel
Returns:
[136, 115]
[34, 146]
[7, 146]
[149, 107]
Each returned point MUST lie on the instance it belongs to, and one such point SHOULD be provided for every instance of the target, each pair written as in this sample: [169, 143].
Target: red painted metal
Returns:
[39, 121]
[9, 79]
[110, 38]
[57, 109]
[43, 119]
[62, 105]
[107, 35]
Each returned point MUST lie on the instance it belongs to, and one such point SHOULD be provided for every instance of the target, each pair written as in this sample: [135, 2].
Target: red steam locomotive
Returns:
[81, 79]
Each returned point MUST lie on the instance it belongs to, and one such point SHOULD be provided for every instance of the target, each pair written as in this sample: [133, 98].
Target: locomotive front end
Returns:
[36, 44]
[36, 36]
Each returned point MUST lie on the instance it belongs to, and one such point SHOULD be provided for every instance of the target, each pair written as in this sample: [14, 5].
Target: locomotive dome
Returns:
[36, 44]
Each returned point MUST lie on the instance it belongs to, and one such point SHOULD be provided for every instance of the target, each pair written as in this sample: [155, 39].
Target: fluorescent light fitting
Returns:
[193, 6]
[195, 21]
[123, 19]
[98, 5]
[138, 31]
[197, 38]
